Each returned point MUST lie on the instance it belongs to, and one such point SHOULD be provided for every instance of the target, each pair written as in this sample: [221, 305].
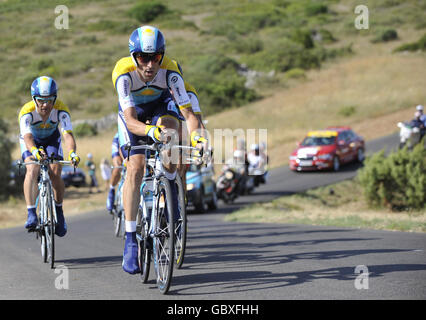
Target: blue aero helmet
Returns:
[146, 39]
[44, 87]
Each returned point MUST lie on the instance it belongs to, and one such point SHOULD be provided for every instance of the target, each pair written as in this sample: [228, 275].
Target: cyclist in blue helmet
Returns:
[150, 87]
[39, 122]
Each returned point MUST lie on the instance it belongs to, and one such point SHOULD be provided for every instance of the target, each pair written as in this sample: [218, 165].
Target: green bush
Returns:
[113, 27]
[218, 83]
[147, 11]
[398, 181]
[295, 73]
[385, 36]
[85, 130]
[5, 159]
[284, 55]
[414, 46]
[303, 37]
[347, 111]
[313, 9]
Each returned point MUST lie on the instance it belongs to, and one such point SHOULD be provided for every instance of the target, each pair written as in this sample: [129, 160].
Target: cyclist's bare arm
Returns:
[69, 141]
[200, 119]
[192, 121]
[133, 124]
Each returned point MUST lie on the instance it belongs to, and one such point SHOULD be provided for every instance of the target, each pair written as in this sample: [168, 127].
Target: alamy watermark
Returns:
[361, 21]
[62, 281]
[62, 20]
[361, 281]
[222, 144]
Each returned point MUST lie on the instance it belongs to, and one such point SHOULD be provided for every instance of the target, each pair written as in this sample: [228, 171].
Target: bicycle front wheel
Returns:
[49, 227]
[181, 225]
[41, 222]
[164, 236]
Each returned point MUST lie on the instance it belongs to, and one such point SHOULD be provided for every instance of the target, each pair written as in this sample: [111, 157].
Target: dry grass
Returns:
[340, 208]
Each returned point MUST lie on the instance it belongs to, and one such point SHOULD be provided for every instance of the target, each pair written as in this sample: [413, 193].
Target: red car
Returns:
[327, 149]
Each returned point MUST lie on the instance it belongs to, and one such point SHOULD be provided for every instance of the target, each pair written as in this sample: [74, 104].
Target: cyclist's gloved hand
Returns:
[153, 132]
[196, 138]
[37, 153]
[74, 157]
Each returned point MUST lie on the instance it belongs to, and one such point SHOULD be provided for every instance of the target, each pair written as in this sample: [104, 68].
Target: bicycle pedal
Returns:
[32, 229]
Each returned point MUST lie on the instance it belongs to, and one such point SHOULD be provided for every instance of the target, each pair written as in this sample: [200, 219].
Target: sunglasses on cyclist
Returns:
[147, 57]
[45, 99]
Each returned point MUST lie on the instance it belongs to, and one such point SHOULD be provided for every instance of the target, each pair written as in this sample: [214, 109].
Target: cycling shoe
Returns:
[32, 220]
[130, 262]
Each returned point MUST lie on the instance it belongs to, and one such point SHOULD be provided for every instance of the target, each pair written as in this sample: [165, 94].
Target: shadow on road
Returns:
[94, 262]
[242, 257]
[243, 281]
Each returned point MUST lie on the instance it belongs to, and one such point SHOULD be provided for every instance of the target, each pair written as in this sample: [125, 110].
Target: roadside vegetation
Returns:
[342, 205]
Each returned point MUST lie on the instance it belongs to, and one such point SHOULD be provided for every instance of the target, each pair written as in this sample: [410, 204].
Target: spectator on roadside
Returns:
[91, 167]
[106, 172]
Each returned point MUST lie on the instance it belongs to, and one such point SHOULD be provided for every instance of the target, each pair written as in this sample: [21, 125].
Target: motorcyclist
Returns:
[418, 123]
[255, 158]
[422, 115]
[257, 163]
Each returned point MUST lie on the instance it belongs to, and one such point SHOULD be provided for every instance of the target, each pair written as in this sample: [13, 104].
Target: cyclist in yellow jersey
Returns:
[39, 122]
[143, 82]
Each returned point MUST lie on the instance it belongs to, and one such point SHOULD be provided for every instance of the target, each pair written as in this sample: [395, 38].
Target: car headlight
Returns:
[293, 157]
[190, 186]
[326, 156]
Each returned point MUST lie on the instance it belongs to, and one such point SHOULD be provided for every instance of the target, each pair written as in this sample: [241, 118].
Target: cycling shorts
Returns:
[115, 147]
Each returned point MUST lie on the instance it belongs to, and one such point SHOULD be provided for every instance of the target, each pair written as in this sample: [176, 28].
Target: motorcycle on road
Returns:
[408, 136]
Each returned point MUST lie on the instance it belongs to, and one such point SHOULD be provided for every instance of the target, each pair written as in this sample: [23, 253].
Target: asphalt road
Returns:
[227, 260]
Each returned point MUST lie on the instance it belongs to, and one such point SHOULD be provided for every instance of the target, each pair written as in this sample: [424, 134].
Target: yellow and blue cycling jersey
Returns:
[31, 122]
[133, 91]
[192, 93]
[45, 133]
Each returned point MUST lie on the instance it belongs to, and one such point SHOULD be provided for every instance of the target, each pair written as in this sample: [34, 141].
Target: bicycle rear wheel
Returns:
[43, 245]
[181, 225]
[144, 251]
[163, 241]
[117, 217]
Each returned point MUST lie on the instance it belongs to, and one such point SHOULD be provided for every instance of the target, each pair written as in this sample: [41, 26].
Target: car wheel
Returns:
[360, 155]
[213, 203]
[200, 205]
[336, 164]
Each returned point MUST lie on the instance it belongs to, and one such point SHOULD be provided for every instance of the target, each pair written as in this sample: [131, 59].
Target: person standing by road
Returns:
[105, 171]
[91, 167]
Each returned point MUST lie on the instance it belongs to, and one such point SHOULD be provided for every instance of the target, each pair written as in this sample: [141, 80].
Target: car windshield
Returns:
[317, 141]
